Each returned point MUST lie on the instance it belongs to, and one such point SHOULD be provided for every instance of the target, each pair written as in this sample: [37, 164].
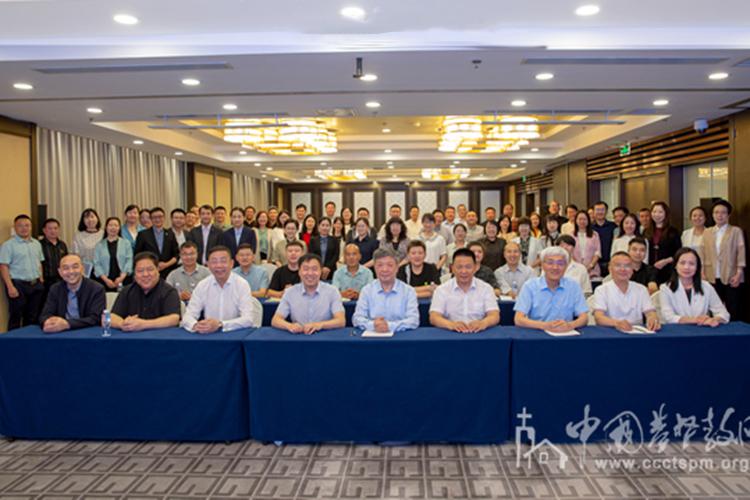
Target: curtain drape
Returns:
[76, 173]
[250, 191]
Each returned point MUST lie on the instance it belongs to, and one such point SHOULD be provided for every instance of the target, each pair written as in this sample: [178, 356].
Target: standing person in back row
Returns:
[160, 242]
[664, 240]
[21, 270]
[606, 231]
[205, 235]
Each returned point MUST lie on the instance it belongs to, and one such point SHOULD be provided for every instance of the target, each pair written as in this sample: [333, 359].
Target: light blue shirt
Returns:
[343, 280]
[237, 236]
[23, 258]
[399, 307]
[124, 233]
[72, 311]
[539, 303]
[303, 307]
[257, 277]
[124, 257]
[159, 235]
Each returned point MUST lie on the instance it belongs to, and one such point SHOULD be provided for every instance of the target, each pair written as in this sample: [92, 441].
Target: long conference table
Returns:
[506, 311]
[424, 385]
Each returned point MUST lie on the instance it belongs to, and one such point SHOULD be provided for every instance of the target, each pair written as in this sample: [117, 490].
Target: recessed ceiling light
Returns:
[353, 12]
[544, 76]
[268, 169]
[452, 165]
[276, 178]
[94, 111]
[229, 107]
[718, 76]
[386, 131]
[390, 166]
[387, 151]
[243, 153]
[661, 102]
[524, 161]
[178, 153]
[323, 163]
[137, 142]
[534, 150]
[513, 165]
[372, 104]
[518, 103]
[263, 175]
[456, 162]
[307, 177]
[368, 77]
[23, 86]
[257, 164]
[125, 19]
[191, 82]
[587, 10]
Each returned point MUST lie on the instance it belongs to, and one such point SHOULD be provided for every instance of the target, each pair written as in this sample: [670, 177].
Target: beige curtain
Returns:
[250, 191]
[76, 173]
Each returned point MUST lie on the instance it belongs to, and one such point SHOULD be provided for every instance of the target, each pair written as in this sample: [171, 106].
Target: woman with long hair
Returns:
[588, 248]
[663, 239]
[88, 235]
[688, 299]
[113, 257]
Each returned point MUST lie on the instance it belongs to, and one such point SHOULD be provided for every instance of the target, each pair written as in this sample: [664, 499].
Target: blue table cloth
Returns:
[506, 312]
[164, 384]
[425, 385]
[625, 380]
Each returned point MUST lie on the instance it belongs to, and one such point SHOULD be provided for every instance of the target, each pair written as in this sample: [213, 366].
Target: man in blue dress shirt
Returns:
[386, 304]
[551, 301]
[311, 305]
[21, 260]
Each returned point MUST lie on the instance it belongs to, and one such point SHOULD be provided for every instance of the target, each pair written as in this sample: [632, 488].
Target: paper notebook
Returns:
[372, 334]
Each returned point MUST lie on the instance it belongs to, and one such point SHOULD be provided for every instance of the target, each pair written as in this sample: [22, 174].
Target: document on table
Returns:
[640, 330]
[273, 300]
[373, 334]
[569, 333]
[507, 298]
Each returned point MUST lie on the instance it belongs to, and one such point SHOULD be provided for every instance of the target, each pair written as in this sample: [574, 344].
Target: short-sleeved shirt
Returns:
[257, 277]
[159, 301]
[428, 276]
[512, 281]
[436, 247]
[367, 247]
[539, 303]
[303, 307]
[343, 279]
[282, 277]
[183, 281]
[456, 305]
[23, 258]
[630, 305]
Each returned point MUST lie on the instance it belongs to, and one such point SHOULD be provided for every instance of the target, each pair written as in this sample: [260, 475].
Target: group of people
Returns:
[210, 262]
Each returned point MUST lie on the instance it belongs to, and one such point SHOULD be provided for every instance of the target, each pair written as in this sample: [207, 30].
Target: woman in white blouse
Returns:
[629, 229]
[693, 237]
[88, 235]
[688, 299]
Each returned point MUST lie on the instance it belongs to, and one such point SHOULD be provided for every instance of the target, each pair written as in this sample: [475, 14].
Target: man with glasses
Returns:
[622, 303]
[552, 302]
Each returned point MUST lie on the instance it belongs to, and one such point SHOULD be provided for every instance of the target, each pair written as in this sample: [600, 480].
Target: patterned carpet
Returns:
[92, 470]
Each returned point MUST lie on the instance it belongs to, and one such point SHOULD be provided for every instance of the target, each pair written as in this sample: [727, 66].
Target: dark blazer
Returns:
[146, 242]
[91, 303]
[247, 236]
[195, 235]
[332, 251]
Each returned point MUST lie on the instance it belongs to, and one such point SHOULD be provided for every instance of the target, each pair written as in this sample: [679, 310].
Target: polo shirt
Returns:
[256, 277]
[159, 301]
[23, 258]
[618, 305]
[344, 280]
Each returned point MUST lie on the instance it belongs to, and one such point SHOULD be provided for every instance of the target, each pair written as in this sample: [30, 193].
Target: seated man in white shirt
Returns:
[224, 298]
[464, 304]
[512, 275]
[622, 303]
[310, 305]
[575, 270]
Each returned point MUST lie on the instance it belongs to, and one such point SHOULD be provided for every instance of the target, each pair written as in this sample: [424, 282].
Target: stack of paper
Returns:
[373, 334]
[570, 333]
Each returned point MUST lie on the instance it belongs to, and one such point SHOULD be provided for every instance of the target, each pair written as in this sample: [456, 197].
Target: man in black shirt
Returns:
[148, 303]
[642, 272]
[53, 250]
[287, 275]
[421, 275]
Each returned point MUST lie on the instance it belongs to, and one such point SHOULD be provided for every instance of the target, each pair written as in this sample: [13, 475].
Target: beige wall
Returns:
[211, 186]
[204, 187]
[224, 191]
[15, 194]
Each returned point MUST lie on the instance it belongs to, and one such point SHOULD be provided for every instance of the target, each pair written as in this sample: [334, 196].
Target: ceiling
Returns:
[296, 59]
